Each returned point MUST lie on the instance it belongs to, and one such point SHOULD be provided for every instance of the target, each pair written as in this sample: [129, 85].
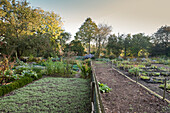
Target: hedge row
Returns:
[16, 84]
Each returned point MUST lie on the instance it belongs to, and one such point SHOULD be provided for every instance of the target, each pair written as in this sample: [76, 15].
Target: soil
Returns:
[126, 96]
[152, 86]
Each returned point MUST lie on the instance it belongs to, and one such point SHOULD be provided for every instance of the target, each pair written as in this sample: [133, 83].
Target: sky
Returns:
[125, 16]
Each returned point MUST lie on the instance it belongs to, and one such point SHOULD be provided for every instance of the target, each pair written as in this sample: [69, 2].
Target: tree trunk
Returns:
[89, 46]
[98, 50]
[125, 51]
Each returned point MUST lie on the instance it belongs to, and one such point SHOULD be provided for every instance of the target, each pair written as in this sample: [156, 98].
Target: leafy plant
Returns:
[141, 66]
[167, 86]
[59, 68]
[85, 70]
[17, 76]
[134, 71]
[37, 68]
[6, 69]
[29, 73]
[154, 67]
[145, 77]
[20, 69]
[104, 88]
[75, 68]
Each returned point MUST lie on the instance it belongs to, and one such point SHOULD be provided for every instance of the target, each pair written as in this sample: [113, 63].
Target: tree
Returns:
[101, 36]
[20, 23]
[127, 44]
[139, 41]
[161, 42]
[65, 36]
[75, 46]
[114, 45]
[87, 32]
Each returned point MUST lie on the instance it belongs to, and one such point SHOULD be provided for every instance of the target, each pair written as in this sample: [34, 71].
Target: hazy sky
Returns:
[125, 16]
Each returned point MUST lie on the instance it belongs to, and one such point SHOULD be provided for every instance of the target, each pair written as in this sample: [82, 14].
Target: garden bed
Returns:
[50, 95]
[126, 96]
[154, 86]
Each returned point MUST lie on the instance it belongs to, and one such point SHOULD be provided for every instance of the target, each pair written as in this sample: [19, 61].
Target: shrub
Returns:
[20, 69]
[5, 69]
[37, 68]
[29, 73]
[59, 68]
[16, 84]
[112, 56]
[88, 62]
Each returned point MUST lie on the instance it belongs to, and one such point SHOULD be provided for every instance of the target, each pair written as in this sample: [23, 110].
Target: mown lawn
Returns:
[66, 95]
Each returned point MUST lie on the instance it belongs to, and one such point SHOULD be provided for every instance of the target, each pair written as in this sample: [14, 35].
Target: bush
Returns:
[63, 69]
[15, 85]
[38, 68]
[20, 69]
[112, 56]
[30, 73]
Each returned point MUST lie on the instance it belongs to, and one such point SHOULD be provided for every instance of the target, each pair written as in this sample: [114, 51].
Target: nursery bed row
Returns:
[125, 95]
[153, 84]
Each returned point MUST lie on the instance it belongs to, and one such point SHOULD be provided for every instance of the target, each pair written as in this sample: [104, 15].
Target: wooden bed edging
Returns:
[152, 92]
[95, 92]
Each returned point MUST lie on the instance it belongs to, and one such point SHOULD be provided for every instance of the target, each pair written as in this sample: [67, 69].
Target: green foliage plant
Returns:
[167, 86]
[134, 71]
[6, 69]
[85, 70]
[104, 88]
[145, 77]
[59, 68]
[29, 73]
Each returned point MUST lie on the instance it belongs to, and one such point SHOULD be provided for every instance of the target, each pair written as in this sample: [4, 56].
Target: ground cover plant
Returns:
[50, 95]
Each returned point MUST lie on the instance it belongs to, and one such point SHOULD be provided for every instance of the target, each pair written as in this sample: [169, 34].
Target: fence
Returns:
[96, 102]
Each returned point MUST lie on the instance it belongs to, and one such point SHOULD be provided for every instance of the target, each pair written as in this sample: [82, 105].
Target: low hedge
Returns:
[17, 84]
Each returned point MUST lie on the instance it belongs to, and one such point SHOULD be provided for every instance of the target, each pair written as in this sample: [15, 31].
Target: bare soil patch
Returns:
[126, 96]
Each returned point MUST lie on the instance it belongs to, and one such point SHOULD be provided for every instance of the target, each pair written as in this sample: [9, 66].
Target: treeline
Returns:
[111, 45]
[29, 31]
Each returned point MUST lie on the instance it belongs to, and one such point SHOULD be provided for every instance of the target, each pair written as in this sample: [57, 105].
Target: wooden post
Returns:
[92, 92]
[164, 89]
[136, 76]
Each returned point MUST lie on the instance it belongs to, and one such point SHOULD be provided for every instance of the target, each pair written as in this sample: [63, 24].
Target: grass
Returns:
[50, 95]
[100, 62]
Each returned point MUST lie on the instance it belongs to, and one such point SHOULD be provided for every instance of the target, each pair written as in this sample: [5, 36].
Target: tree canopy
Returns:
[87, 31]
[24, 27]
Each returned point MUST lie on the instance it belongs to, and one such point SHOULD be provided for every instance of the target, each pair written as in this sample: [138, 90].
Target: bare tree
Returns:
[101, 37]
